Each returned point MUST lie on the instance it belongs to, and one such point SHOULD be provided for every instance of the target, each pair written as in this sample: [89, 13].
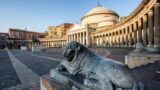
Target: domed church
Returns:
[95, 18]
[100, 16]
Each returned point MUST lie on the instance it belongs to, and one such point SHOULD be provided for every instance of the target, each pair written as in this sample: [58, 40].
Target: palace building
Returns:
[57, 35]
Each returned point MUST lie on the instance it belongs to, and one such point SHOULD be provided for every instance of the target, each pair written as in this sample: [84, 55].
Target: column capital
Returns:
[150, 12]
[144, 17]
[157, 5]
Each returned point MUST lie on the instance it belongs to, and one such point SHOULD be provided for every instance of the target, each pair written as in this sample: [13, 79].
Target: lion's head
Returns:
[71, 51]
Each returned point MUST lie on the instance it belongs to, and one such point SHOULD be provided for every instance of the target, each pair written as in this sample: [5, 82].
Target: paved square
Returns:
[23, 69]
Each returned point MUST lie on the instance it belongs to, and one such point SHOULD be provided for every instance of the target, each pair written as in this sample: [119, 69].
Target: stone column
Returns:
[80, 37]
[139, 31]
[130, 35]
[123, 37]
[126, 36]
[83, 38]
[157, 25]
[100, 41]
[76, 37]
[73, 37]
[111, 38]
[87, 38]
[116, 39]
[69, 38]
[106, 39]
[119, 37]
[135, 33]
[150, 29]
[98, 37]
[145, 30]
[95, 41]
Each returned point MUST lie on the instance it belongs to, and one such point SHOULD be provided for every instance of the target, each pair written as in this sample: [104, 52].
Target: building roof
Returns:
[3, 34]
[99, 10]
[76, 27]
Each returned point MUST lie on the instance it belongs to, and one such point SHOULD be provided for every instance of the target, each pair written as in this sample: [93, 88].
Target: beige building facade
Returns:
[57, 36]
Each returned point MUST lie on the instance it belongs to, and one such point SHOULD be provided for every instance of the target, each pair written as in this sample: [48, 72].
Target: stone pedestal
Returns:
[36, 48]
[137, 60]
[48, 83]
[62, 81]
[23, 48]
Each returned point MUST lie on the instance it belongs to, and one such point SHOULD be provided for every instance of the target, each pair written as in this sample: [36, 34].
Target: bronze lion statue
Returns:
[100, 73]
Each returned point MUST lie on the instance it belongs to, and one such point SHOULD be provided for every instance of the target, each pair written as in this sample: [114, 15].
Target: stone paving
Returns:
[26, 75]
[8, 76]
[18, 67]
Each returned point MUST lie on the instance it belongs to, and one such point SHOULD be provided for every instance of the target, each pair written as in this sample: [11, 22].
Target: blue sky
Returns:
[37, 15]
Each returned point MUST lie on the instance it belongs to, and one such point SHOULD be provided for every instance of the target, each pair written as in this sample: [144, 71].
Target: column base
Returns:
[156, 46]
[150, 46]
[134, 45]
[125, 45]
[129, 45]
[153, 50]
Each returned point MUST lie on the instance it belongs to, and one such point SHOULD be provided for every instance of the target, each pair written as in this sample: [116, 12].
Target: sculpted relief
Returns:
[99, 73]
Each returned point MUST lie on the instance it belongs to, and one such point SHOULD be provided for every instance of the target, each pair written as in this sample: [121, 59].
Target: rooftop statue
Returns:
[100, 73]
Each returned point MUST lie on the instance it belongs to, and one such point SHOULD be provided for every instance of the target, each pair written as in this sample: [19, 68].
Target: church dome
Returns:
[96, 14]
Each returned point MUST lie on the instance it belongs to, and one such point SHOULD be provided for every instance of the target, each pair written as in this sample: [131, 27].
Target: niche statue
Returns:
[100, 73]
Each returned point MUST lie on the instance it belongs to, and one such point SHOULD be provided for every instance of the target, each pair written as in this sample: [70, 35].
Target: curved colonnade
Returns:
[142, 25]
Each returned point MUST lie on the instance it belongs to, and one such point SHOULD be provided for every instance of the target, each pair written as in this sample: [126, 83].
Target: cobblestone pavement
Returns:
[39, 64]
